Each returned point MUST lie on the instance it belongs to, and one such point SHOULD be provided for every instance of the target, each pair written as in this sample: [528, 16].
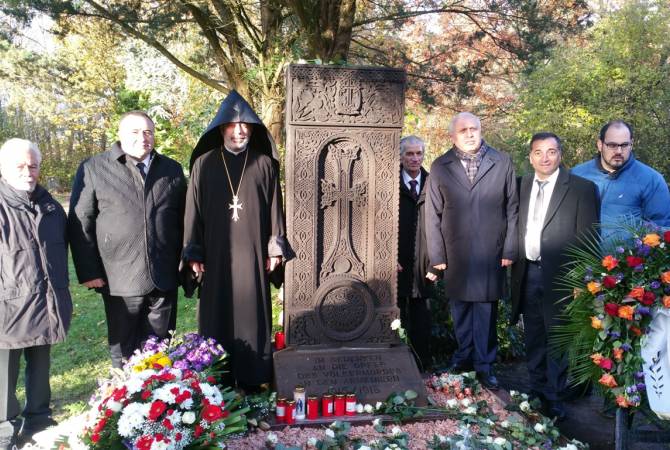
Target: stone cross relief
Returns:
[343, 259]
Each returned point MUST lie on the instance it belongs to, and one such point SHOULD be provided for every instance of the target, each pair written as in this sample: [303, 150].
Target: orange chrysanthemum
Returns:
[626, 312]
[652, 240]
[610, 262]
[665, 277]
[622, 402]
[636, 331]
[666, 301]
[637, 293]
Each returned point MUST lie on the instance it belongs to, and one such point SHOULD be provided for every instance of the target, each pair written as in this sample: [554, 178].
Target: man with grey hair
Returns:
[413, 288]
[35, 303]
[471, 220]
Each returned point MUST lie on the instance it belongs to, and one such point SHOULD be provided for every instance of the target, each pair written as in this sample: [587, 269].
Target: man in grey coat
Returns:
[471, 220]
[35, 303]
[125, 227]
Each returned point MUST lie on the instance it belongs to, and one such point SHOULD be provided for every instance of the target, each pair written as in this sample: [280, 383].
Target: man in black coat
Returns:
[126, 227]
[471, 216]
[413, 264]
[35, 303]
[556, 210]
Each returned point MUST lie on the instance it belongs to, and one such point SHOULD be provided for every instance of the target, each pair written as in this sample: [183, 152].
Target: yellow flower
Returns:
[596, 323]
[652, 240]
[609, 262]
[593, 287]
[596, 358]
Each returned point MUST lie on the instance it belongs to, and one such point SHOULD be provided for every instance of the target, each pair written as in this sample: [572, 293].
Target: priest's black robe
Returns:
[235, 304]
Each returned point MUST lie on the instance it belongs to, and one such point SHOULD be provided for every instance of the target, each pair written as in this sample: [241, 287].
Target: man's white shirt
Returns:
[407, 178]
[533, 235]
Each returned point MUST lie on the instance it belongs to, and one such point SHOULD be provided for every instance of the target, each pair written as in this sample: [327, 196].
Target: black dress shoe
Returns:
[488, 380]
[557, 410]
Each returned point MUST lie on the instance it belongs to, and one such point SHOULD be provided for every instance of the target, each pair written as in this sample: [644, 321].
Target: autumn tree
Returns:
[620, 69]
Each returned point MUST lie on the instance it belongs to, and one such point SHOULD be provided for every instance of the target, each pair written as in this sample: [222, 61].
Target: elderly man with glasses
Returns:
[628, 189]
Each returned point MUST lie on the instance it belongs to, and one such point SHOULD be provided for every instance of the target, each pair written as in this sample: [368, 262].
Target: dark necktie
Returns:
[140, 166]
[412, 189]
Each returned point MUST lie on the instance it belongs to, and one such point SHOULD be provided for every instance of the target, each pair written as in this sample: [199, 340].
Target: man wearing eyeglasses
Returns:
[628, 189]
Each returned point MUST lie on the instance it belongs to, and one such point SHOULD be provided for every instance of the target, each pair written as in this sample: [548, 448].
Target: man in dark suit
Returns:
[556, 210]
[126, 229]
[471, 217]
[413, 288]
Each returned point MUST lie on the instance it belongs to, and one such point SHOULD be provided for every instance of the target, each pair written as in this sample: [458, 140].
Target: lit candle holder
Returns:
[281, 410]
[312, 407]
[280, 340]
[350, 409]
[327, 405]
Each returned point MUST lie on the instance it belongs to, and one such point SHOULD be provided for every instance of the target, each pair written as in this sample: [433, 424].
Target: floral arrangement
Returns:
[166, 398]
[459, 385]
[613, 300]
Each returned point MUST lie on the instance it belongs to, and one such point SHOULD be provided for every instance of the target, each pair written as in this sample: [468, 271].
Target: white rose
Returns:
[272, 438]
[524, 406]
[441, 439]
[452, 403]
[188, 417]
[359, 408]
[539, 428]
[333, 425]
[513, 393]
[396, 431]
[368, 408]
[376, 422]
[490, 422]
[330, 433]
[466, 402]
[569, 447]
[500, 441]
[488, 440]
[379, 405]
[504, 424]
[311, 442]
[395, 324]
[364, 447]
[470, 410]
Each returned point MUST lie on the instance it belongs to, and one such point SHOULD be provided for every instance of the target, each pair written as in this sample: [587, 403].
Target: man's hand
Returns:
[271, 263]
[197, 267]
[506, 262]
[95, 283]
[399, 268]
[431, 276]
[442, 266]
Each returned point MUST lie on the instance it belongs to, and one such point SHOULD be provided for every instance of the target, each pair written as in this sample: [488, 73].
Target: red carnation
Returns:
[157, 408]
[119, 394]
[666, 236]
[177, 437]
[609, 282]
[606, 364]
[648, 298]
[109, 413]
[634, 261]
[211, 379]
[100, 425]
[175, 390]
[612, 309]
[183, 397]
[167, 424]
[211, 413]
[95, 437]
[198, 430]
[144, 443]
[146, 394]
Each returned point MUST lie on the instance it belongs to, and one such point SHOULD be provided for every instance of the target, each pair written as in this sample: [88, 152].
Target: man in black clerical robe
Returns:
[235, 236]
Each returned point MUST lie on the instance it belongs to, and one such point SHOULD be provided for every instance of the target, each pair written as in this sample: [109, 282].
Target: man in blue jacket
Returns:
[628, 189]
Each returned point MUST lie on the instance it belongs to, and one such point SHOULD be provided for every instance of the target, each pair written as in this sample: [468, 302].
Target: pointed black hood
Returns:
[235, 109]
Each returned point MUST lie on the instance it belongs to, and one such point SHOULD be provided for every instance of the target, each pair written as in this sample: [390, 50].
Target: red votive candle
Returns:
[312, 407]
[340, 405]
[280, 340]
[351, 405]
[281, 410]
[327, 405]
[290, 412]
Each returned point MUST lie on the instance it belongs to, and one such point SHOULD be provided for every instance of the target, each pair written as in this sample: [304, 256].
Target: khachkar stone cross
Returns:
[343, 127]
[344, 259]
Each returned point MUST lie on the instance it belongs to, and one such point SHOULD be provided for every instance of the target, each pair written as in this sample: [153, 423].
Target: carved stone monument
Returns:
[342, 188]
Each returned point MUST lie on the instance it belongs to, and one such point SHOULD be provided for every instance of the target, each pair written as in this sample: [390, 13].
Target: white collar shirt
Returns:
[407, 178]
[533, 237]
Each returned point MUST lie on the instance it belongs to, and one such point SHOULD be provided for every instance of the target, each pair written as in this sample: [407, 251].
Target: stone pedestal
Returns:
[343, 130]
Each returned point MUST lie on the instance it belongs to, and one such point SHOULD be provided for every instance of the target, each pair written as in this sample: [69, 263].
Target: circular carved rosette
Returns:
[344, 308]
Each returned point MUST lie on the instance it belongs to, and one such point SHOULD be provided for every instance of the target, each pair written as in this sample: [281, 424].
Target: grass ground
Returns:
[78, 363]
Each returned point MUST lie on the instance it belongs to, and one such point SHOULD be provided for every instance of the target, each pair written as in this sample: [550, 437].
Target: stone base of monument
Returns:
[358, 419]
[371, 373]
